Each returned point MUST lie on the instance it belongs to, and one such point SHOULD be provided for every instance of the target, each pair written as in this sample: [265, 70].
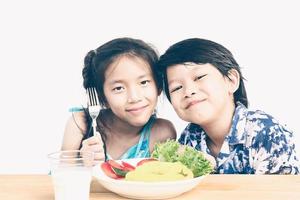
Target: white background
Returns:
[43, 43]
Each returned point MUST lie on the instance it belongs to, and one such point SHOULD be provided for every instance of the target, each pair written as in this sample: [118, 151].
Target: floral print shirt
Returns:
[256, 144]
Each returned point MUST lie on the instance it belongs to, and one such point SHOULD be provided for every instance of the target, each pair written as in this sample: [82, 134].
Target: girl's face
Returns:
[130, 90]
[199, 92]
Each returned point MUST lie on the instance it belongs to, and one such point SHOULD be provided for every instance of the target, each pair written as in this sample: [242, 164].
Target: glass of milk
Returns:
[71, 173]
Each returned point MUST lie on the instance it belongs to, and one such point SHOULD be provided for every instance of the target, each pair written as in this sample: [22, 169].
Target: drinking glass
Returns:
[71, 173]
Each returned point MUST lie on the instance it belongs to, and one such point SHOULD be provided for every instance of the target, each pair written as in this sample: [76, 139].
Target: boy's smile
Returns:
[199, 92]
[192, 103]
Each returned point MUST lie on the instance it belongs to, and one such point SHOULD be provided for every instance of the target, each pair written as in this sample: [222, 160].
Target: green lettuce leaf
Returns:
[172, 151]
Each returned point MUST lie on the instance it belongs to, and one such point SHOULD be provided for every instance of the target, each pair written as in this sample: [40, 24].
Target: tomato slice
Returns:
[108, 171]
[120, 172]
[145, 160]
[114, 164]
[128, 166]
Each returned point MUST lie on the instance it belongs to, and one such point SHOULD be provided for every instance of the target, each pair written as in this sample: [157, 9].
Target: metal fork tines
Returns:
[93, 106]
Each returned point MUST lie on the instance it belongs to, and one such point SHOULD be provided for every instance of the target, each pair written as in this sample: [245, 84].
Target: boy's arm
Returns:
[277, 156]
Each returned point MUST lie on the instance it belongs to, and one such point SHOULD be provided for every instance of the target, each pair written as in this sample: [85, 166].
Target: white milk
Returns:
[71, 183]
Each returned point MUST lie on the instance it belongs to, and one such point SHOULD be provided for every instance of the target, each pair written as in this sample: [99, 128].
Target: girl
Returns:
[123, 72]
[205, 86]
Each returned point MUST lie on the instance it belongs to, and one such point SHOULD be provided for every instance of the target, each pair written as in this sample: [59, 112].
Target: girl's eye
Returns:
[199, 77]
[176, 88]
[118, 89]
[145, 82]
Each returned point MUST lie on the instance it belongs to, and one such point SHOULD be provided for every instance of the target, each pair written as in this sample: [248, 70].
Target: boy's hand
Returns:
[210, 158]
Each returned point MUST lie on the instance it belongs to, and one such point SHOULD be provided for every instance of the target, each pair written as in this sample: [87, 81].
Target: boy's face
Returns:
[130, 90]
[199, 92]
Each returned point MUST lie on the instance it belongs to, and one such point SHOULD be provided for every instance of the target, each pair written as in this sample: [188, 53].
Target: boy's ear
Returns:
[234, 80]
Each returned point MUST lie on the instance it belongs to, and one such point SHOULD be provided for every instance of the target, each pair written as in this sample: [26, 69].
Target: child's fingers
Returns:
[99, 156]
[210, 158]
[99, 137]
[96, 148]
[92, 140]
[94, 144]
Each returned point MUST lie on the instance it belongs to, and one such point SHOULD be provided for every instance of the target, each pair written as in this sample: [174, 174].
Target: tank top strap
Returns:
[141, 149]
[145, 136]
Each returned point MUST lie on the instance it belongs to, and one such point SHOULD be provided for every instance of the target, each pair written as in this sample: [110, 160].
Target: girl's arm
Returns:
[74, 131]
[162, 130]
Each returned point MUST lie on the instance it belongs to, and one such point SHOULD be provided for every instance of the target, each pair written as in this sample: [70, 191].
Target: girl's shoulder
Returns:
[77, 120]
[162, 130]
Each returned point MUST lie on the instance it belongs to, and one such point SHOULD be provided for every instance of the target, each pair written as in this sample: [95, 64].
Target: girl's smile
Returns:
[130, 90]
[136, 110]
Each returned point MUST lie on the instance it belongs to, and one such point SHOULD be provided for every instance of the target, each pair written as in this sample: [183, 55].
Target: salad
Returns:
[172, 151]
[168, 152]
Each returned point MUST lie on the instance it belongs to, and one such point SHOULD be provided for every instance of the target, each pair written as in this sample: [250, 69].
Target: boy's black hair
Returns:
[201, 51]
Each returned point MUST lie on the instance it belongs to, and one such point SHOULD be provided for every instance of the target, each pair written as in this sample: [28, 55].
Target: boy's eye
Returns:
[199, 77]
[118, 89]
[145, 82]
[176, 88]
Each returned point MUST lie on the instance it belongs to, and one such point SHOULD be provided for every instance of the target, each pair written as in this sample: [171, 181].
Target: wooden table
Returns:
[231, 187]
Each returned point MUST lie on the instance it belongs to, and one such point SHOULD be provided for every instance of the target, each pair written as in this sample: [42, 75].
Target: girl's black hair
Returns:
[97, 61]
[201, 51]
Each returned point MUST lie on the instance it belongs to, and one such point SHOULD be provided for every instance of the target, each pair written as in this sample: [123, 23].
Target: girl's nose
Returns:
[134, 96]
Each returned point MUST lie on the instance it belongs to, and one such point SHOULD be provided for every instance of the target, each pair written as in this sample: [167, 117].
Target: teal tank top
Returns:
[139, 150]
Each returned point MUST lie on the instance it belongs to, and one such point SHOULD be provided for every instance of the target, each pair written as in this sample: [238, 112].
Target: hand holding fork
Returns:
[95, 143]
[93, 107]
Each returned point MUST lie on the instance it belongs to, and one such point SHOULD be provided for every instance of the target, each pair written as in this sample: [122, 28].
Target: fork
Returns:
[94, 110]
[93, 106]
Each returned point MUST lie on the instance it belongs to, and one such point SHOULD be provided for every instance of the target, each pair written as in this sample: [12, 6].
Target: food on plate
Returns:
[116, 170]
[145, 161]
[107, 169]
[169, 161]
[157, 171]
[172, 151]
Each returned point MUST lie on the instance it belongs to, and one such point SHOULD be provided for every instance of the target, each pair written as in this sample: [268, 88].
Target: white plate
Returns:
[144, 190]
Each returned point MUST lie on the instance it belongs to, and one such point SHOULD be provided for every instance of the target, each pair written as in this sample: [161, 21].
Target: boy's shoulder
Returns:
[264, 130]
[263, 122]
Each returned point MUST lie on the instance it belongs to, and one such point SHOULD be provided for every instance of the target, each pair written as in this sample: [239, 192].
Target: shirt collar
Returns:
[237, 133]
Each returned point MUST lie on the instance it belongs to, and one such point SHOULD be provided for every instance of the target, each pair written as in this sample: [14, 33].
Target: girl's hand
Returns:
[95, 145]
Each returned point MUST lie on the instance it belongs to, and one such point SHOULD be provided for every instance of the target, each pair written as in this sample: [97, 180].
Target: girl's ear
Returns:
[106, 105]
[234, 80]
[159, 92]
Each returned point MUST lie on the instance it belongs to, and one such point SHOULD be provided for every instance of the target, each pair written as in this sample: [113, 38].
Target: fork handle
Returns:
[95, 132]
[94, 124]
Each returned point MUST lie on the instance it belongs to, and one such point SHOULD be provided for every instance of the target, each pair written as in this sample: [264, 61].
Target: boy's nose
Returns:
[189, 94]
[190, 90]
